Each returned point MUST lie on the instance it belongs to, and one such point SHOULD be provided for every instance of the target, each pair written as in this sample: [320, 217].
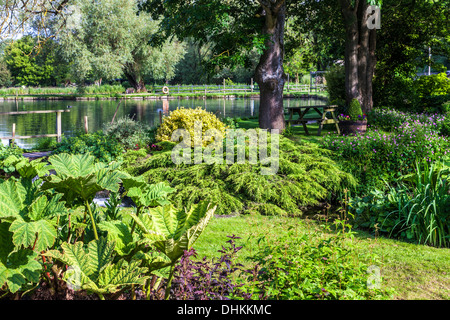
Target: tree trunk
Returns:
[135, 81]
[269, 73]
[360, 57]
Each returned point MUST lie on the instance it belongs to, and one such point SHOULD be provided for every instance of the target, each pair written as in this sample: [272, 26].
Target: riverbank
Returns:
[152, 96]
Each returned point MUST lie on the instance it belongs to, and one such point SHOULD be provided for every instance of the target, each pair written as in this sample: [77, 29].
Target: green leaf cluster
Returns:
[39, 221]
[105, 148]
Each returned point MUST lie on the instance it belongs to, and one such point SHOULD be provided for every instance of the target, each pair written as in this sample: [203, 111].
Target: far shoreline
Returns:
[74, 97]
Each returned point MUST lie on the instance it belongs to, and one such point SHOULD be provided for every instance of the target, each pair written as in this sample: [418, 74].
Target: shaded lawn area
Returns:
[298, 133]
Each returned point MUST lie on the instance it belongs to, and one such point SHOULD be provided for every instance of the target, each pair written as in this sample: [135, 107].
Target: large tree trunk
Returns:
[135, 81]
[360, 57]
[269, 73]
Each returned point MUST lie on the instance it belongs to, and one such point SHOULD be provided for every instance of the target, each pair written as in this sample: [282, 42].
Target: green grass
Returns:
[413, 271]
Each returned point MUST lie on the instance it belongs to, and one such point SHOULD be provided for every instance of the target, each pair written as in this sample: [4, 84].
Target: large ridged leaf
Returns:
[174, 231]
[92, 268]
[15, 196]
[39, 234]
[144, 194]
[79, 178]
[31, 169]
[31, 214]
[17, 268]
[120, 233]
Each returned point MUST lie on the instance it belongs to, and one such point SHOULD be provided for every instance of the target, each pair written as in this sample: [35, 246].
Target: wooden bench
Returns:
[321, 110]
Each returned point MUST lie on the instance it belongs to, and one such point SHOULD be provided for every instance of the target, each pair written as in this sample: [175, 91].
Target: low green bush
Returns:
[354, 110]
[305, 177]
[104, 148]
[129, 133]
[182, 118]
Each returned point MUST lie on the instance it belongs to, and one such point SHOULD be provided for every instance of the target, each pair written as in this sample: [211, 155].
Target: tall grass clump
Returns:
[417, 209]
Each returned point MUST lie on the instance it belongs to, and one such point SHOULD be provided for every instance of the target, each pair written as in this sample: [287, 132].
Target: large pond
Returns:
[101, 111]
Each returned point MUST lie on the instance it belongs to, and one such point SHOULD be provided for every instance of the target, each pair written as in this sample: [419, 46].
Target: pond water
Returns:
[101, 111]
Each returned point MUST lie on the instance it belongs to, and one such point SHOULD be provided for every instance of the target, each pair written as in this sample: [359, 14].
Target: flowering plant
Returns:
[344, 117]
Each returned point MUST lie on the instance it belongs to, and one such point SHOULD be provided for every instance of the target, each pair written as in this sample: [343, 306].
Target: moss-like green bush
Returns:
[182, 118]
[306, 177]
[129, 133]
[354, 110]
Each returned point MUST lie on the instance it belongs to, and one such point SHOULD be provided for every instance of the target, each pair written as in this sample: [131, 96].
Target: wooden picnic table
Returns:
[321, 110]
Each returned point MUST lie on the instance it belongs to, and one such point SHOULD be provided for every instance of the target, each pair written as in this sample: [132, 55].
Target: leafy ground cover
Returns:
[413, 271]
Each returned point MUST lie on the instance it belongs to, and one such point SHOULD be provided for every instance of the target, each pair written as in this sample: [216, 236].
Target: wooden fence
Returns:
[230, 89]
[58, 133]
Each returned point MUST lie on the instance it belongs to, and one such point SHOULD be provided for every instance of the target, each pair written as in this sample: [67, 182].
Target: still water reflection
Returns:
[101, 111]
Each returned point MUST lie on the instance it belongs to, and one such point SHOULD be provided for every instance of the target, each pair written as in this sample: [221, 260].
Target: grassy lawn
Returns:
[413, 271]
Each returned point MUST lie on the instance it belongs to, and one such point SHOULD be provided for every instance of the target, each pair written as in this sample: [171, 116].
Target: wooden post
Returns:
[58, 126]
[192, 88]
[86, 125]
[205, 91]
[251, 84]
[12, 141]
[178, 88]
[288, 83]
[224, 86]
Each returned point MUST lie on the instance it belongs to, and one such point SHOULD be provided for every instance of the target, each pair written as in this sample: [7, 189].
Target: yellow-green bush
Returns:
[182, 118]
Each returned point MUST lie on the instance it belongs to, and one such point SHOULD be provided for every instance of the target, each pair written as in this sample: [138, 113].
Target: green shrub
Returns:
[129, 133]
[335, 78]
[434, 104]
[8, 157]
[306, 176]
[182, 118]
[102, 147]
[354, 110]
[432, 85]
[45, 144]
[396, 91]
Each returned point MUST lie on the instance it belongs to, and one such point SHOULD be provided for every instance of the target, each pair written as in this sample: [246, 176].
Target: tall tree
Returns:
[235, 28]
[27, 65]
[108, 39]
[360, 45]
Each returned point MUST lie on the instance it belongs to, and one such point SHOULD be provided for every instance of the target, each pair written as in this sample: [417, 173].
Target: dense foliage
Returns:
[306, 176]
[45, 239]
[8, 157]
[105, 148]
[129, 133]
[380, 154]
[417, 209]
